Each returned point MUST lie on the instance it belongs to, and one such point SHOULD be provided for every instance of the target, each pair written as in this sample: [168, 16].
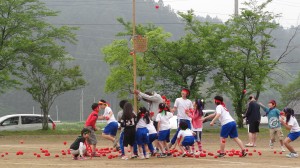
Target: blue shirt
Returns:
[273, 117]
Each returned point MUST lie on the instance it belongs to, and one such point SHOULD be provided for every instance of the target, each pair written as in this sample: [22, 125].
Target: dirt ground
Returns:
[54, 144]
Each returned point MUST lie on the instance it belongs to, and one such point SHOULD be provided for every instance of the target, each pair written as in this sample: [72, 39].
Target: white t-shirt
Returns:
[181, 105]
[107, 111]
[141, 123]
[196, 129]
[294, 123]
[164, 120]
[225, 115]
[184, 133]
[151, 128]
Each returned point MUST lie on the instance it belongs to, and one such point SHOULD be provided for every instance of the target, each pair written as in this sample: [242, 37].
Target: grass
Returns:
[68, 128]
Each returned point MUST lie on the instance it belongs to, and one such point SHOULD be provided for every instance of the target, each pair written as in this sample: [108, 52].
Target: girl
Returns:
[128, 122]
[152, 136]
[142, 133]
[78, 147]
[163, 129]
[187, 137]
[292, 125]
[196, 116]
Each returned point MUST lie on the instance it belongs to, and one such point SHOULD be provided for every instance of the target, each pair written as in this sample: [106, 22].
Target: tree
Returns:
[291, 93]
[118, 57]
[18, 20]
[242, 53]
[166, 66]
[41, 61]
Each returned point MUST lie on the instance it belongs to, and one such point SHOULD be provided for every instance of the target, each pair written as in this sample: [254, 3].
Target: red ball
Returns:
[174, 155]
[156, 7]
[280, 153]
[65, 143]
[250, 154]
[244, 91]
[63, 153]
[2, 155]
[216, 157]
[56, 156]
[196, 156]
[6, 153]
[21, 142]
[38, 155]
[275, 152]
[34, 154]
[254, 150]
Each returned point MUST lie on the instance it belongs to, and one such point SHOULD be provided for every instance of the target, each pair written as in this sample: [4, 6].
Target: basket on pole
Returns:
[140, 43]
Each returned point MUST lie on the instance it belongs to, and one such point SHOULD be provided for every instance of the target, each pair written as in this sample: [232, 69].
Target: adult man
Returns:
[153, 100]
[253, 120]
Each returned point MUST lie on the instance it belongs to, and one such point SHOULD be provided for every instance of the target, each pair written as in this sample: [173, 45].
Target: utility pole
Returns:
[134, 57]
[236, 7]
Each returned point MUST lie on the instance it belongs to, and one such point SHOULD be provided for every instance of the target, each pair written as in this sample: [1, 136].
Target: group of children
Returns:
[140, 136]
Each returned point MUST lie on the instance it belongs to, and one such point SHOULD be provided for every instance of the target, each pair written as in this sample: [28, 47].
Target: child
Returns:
[152, 136]
[110, 131]
[128, 122]
[181, 104]
[196, 116]
[91, 125]
[163, 129]
[142, 133]
[119, 117]
[228, 126]
[187, 137]
[274, 124]
[292, 125]
[78, 147]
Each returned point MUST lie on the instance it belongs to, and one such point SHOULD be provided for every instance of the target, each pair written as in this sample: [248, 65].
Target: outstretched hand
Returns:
[136, 91]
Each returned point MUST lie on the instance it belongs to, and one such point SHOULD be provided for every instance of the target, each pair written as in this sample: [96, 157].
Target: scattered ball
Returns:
[56, 156]
[65, 143]
[156, 7]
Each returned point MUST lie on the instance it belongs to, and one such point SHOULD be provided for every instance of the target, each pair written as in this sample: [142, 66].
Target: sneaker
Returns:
[244, 153]
[220, 155]
[282, 149]
[162, 155]
[147, 156]
[81, 158]
[184, 155]
[124, 157]
[271, 144]
[134, 156]
[292, 155]
[75, 158]
[141, 156]
[249, 145]
[169, 154]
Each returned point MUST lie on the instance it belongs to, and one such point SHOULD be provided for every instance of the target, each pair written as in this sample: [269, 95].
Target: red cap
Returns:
[164, 97]
[273, 102]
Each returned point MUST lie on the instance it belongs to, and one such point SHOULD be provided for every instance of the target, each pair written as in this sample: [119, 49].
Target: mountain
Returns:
[98, 27]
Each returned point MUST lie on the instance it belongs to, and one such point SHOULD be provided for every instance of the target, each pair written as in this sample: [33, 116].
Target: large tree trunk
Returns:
[45, 112]
[239, 110]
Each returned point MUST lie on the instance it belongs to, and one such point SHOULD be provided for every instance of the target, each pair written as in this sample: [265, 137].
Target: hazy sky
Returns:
[290, 9]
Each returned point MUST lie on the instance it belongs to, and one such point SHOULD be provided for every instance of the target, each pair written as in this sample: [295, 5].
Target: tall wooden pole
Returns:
[236, 7]
[134, 56]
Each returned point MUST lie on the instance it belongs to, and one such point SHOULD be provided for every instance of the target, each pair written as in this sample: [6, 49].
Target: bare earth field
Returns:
[54, 144]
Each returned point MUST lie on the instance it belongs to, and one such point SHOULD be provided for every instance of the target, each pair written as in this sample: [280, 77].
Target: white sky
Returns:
[289, 9]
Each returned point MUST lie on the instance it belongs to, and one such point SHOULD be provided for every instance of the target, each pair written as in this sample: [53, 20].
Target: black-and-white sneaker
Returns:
[244, 153]
[162, 155]
[221, 155]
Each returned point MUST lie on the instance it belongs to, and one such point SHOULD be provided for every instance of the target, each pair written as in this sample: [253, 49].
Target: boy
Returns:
[274, 124]
[187, 137]
[228, 126]
[91, 125]
[181, 105]
[111, 129]
[78, 147]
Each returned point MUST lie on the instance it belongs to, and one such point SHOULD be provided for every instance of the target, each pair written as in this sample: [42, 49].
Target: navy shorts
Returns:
[188, 141]
[229, 129]
[152, 137]
[142, 136]
[111, 129]
[293, 135]
[164, 135]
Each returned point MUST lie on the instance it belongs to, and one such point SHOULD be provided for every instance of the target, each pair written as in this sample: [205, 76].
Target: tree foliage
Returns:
[291, 93]
[29, 49]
